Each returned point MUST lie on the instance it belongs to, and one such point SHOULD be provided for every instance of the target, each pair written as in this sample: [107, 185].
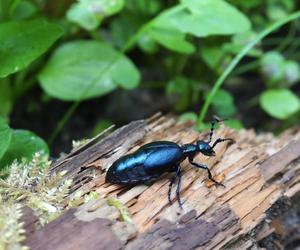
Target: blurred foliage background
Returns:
[69, 69]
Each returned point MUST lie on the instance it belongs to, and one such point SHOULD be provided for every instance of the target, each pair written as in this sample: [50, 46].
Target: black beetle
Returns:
[155, 158]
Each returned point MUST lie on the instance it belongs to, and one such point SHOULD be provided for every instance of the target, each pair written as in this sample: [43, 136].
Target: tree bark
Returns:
[261, 174]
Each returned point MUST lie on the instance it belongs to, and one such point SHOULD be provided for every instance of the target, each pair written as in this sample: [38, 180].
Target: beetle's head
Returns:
[205, 148]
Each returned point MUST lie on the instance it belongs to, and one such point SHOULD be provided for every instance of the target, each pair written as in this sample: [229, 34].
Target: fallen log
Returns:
[261, 174]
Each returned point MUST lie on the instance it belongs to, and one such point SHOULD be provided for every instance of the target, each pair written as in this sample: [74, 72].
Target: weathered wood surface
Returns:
[69, 233]
[259, 171]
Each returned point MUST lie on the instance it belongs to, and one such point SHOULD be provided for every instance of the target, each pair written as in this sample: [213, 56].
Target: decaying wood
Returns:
[68, 233]
[259, 172]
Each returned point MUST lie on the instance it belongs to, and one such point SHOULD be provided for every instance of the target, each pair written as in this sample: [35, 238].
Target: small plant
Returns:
[29, 183]
[32, 183]
[17, 144]
[11, 229]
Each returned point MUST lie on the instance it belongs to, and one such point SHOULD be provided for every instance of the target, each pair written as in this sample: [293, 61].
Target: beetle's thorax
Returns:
[189, 150]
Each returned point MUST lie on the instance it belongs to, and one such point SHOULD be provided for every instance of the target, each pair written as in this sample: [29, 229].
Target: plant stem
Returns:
[237, 59]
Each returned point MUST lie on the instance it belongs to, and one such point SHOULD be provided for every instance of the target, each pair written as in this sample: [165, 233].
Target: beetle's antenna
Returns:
[213, 123]
[212, 127]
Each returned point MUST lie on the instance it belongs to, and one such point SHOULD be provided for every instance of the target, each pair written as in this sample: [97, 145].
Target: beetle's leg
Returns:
[170, 188]
[221, 140]
[178, 173]
[207, 169]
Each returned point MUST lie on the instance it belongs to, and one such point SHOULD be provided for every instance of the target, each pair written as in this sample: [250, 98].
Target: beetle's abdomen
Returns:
[162, 159]
[147, 163]
[129, 169]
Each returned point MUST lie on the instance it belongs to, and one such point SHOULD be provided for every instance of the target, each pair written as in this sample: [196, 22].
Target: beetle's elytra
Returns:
[155, 158]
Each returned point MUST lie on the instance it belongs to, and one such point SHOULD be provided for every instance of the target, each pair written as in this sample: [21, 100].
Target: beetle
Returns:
[153, 159]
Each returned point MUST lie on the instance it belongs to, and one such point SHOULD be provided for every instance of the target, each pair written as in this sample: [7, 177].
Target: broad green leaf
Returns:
[188, 116]
[125, 74]
[210, 17]
[235, 124]
[6, 99]
[7, 7]
[172, 40]
[223, 103]
[5, 136]
[279, 103]
[122, 28]
[86, 69]
[24, 41]
[90, 13]
[23, 144]
[25, 9]
[147, 44]
[212, 55]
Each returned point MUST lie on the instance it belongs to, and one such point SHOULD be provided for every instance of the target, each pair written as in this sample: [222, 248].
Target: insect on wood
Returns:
[153, 159]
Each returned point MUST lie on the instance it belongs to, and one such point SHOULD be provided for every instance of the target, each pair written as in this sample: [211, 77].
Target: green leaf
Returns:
[278, 71]
[147, 44]
[75, 71]
[184, 90]
[223, 103]
[125, 74]
[188, 116]
[291, 72]
[6, 99]
[100, 126]
[5, 136]
[24, 41]
[90, 13]
[235, 124]
[25, 9]
[272, 67]
[279, 103]
[122, 28]
[7, 7]
[279, 9]
[23, 144]
[144, 7]
[210, 17]
[212, 55]
[172, 39]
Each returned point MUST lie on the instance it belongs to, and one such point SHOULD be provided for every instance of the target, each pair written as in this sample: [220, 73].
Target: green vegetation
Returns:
[29, 183]
[231, 58]
[203, 51]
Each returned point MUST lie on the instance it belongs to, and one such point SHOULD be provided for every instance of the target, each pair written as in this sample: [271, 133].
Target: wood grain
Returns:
[259, 171]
